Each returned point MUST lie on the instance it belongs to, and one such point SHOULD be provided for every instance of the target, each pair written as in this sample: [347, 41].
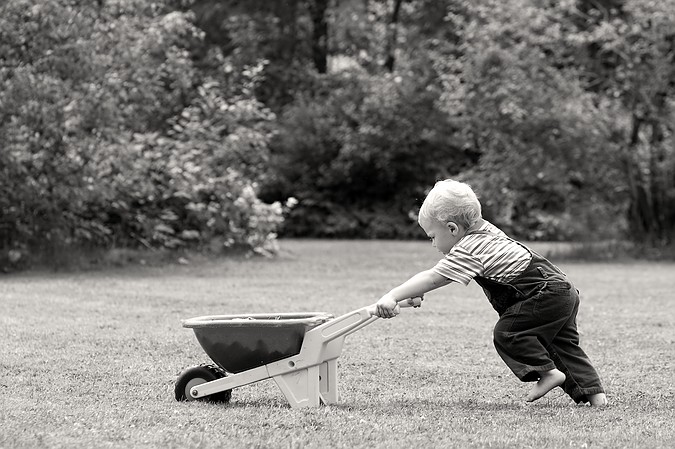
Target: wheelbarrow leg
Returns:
[311, 377]
[328, 382]
[309, 387]
[301, 387]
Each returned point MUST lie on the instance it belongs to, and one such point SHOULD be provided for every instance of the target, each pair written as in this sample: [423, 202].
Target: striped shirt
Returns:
[494, 256]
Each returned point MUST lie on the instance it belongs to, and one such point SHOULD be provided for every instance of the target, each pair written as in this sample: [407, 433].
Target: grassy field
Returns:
[90, 359]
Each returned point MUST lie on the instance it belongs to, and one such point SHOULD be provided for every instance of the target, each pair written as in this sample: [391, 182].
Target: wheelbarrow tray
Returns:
[237, 343]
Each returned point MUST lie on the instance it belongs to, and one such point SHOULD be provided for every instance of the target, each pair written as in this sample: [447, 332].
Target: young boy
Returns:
[536, 334]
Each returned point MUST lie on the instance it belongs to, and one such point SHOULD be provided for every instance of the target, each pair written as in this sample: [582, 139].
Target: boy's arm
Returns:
[417, 285]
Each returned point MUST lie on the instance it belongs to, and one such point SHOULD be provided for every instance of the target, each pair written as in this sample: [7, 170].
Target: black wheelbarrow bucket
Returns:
[237, 343]
[298, 350]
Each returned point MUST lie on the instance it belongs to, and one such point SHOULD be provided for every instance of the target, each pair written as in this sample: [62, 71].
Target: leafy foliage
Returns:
[163, 124]
[356, 154]
[543, 170]
[119, 139]
[628, 56]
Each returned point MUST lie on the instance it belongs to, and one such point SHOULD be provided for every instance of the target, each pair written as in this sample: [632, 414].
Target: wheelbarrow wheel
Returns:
[197, 375]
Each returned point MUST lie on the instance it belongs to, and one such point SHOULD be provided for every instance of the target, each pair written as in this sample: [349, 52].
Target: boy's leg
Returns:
[522, 335]
[582, 381]
[524, 338]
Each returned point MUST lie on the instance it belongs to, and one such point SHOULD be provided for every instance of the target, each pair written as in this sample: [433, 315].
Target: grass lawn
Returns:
[90, 359]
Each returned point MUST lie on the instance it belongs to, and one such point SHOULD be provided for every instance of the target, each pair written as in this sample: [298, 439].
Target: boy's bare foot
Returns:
[547, 382]
[597, 400]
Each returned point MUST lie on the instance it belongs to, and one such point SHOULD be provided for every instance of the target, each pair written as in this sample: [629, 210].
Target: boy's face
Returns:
[443, 235]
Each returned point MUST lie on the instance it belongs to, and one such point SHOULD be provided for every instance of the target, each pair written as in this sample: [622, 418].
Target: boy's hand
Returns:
[387, 307]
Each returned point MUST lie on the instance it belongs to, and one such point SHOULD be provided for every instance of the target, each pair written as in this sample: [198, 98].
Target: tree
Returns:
[289, 36]
[628, 57]
[540, 138]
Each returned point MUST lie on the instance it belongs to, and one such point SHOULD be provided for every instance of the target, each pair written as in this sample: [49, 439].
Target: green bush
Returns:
[119, 139]
[358, 153]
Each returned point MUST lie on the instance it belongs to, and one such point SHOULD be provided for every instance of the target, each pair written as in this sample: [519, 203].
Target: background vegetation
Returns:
[90, 359]
[191, 123]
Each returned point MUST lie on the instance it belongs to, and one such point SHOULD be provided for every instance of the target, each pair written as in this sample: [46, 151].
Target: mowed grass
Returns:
[89, 359]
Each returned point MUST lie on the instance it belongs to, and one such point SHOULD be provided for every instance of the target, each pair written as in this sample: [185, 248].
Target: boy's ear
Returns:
[452, 226]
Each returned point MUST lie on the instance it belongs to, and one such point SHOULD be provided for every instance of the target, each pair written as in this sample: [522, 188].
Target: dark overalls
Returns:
[537, 329]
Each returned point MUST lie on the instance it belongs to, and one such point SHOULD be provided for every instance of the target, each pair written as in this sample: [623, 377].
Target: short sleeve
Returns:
[459, 265]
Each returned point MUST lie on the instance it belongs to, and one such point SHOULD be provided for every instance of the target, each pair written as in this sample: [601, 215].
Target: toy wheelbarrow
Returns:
[298, 350]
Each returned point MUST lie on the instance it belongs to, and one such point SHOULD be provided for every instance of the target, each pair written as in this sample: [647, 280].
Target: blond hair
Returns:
[451, 200]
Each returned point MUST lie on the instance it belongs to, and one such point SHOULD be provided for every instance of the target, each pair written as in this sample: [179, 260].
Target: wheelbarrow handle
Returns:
[351, 322]
[410, 302]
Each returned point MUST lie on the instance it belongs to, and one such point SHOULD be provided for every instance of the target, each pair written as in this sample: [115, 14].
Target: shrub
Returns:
[120, 139]
[358, 154]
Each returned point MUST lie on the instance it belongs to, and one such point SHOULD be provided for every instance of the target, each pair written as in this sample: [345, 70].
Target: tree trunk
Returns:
[651, 183]
[318, 10]
[392, 34]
